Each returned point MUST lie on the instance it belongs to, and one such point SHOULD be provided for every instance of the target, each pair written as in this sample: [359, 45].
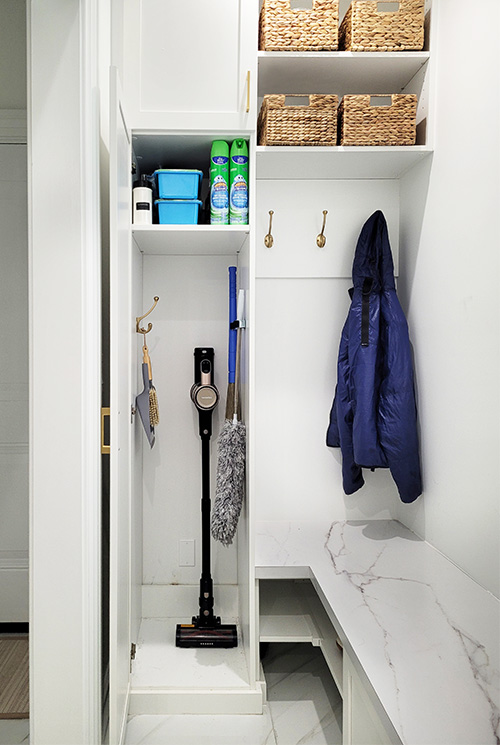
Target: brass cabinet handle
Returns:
[248, 91]
[105, 449]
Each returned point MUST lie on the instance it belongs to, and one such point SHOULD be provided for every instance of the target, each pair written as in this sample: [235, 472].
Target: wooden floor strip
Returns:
[14, 677]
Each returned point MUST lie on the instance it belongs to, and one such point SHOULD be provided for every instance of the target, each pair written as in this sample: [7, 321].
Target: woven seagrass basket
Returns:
[367, 27]
[362, 121]
[312, 124]
[285, 29]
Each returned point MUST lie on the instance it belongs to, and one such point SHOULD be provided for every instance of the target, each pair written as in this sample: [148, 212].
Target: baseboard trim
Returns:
[192, 701]
[14, 628]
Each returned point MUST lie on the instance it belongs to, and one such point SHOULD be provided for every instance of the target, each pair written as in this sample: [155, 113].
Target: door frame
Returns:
[65, 359]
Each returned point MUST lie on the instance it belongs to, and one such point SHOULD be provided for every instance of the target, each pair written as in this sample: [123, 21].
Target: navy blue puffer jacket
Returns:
[374, 418]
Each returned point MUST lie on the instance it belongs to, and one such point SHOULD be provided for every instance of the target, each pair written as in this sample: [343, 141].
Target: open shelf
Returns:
[337, 72]
[289, 628]
[190, 240]
[290, 611]
[283, 162]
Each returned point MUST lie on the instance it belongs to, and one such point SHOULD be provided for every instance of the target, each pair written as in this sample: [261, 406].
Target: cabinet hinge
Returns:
[133, 650]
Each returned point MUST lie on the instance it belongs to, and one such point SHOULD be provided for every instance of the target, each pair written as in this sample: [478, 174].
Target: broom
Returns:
[230, 482]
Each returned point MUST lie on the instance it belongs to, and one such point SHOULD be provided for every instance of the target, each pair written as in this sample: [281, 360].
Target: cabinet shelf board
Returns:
[190, 240]
[337, 72]
[289, 628]
[294, 163]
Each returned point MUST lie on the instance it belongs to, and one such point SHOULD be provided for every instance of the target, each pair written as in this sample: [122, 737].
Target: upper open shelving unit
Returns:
[341, 73]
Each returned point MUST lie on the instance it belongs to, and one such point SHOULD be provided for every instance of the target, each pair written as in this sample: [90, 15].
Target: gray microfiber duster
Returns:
[230, 483]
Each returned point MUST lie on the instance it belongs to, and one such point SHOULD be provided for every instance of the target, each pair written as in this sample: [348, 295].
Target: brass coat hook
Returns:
[268, 239]
[140, 318]
[321, 239]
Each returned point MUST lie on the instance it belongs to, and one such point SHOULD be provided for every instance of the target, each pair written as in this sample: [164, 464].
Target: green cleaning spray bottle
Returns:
[238, 175]
[219, 181]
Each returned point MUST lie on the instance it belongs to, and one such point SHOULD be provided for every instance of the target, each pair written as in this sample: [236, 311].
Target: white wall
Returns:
[14, 316]
[301, 304]
[450, 247]
[13, 54]
[13, 385]
[192, 312]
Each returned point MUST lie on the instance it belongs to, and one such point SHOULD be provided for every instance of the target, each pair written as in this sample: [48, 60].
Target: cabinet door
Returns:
[187, 63]
[121, 335]
[361, 723]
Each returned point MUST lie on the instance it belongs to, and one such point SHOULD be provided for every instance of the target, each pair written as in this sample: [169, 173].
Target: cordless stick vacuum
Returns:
[206, 629]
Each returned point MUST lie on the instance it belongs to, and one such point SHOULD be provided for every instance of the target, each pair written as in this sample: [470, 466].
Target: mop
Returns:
[230, 483]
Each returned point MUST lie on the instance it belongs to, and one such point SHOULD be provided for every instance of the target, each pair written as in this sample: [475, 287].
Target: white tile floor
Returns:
[304, 708]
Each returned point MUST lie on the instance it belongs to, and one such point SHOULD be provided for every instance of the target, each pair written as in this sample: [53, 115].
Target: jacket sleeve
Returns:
[397, 407]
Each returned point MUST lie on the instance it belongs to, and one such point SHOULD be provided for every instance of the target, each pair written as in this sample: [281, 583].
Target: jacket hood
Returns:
[373, 257]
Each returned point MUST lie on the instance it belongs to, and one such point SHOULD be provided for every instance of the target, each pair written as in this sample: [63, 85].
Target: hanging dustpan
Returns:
[230, 483]
[147, 402]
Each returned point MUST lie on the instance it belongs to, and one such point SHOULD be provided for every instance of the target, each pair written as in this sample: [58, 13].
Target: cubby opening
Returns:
[290, 611]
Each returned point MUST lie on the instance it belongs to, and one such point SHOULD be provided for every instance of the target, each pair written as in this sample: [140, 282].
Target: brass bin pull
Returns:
[105, 449]
[248, 91]
[321, 238]
[268, 239]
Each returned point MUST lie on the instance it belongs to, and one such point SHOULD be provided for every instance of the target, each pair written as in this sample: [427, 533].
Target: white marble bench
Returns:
[422, 635]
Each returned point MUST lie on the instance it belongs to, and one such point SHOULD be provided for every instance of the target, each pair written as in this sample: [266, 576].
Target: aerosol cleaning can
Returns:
[219, 182]
[238, 174]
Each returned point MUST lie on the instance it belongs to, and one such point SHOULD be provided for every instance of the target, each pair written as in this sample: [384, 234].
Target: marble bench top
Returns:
[424, 634]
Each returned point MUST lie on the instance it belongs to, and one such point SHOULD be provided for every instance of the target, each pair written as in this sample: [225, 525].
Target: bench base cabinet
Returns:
[291, 611]
[361, 725]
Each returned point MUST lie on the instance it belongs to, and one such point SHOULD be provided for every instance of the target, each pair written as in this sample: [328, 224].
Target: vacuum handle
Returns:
[204, 394]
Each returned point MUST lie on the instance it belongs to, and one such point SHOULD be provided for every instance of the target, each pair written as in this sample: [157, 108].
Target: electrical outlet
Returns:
[186, 552]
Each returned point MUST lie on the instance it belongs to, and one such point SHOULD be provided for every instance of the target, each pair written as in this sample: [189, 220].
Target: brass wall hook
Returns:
[268, 239]
[321, 238]
[140, 318]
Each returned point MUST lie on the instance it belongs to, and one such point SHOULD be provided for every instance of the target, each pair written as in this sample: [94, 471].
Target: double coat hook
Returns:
[321, 239]
[268, 239]
[140, 318]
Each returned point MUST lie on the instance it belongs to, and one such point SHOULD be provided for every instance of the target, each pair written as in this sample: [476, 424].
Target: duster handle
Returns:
[231, 362]
[241, 304]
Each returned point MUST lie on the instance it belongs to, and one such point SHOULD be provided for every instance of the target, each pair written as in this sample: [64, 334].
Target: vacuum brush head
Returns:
[190, 635]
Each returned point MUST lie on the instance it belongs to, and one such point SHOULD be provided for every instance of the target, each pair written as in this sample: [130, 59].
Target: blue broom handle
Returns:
[231, 361]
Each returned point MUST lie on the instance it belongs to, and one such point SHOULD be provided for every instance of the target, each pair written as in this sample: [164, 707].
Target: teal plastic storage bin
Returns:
[177, 183]
[178, 211]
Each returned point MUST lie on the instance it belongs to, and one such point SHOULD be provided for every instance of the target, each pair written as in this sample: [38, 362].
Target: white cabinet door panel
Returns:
[121, 335]
[175, 37]
[187, 63]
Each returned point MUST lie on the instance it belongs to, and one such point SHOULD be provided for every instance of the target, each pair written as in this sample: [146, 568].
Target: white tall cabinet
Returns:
[191, 74]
